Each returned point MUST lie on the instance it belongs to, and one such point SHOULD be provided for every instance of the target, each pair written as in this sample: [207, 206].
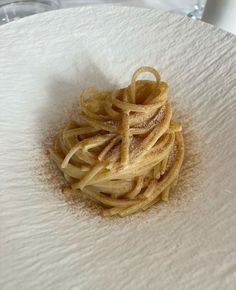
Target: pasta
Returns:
[126, 152]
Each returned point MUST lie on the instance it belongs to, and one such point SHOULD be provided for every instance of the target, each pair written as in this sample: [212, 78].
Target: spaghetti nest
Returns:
[125, 152]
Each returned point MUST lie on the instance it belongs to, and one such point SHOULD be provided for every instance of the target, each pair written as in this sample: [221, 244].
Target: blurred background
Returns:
[221, 13]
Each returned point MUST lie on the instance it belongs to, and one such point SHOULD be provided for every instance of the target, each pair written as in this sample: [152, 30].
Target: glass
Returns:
[198, 10]
[16, 9]
[192, 8]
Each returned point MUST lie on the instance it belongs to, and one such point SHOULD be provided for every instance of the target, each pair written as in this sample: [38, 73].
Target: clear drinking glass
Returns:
[192, 8]
[15, 9]
[198, 10]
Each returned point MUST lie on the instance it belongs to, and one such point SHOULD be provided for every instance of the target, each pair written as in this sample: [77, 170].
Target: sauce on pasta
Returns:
[126, 152]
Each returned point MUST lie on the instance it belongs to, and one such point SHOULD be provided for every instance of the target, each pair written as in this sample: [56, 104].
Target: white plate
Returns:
[46, 243]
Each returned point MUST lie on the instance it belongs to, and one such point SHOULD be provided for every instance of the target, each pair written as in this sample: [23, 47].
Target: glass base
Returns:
[197, 12]
[19, 9]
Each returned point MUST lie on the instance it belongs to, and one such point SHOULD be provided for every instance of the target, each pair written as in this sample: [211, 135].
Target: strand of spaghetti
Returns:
[163, 165]
[113, 126]
[69, 179]
[135, 76]
[136, 107]
[165, 194]
[156, 171]
[89, 113]
[114, 174]
[78, 131]
[84, 168]
[70, 155]
[79, 158]
[144, 205]
[76, 172]
[154, 191]
[109, 146]
[174, 127]
[88, 176]
[151, 203]
[159, 95]
[83, 157]
[174, 170]
[108, 200]
[135, 118]
[126, 184]
[118, 188]
[138, 118]
[132, 170]
[70, 170]
[108, 106]
[111, 211]
[149, 122]
[132, 194]
[124, 153]
[136, 169]
[86, 144]
[141, 118]
[128, 172]
[134, 208]
[107, 125]
[65, 146]
[112, 161]
[155, 134]
[62, 145]
[96, 141]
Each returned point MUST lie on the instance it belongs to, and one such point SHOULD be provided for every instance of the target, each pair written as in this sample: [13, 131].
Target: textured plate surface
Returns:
[46, 243]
